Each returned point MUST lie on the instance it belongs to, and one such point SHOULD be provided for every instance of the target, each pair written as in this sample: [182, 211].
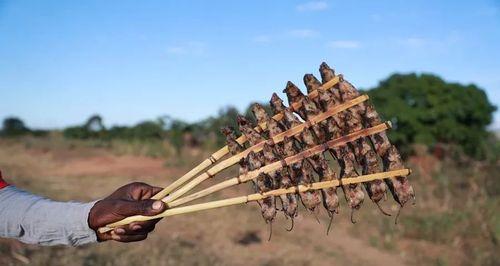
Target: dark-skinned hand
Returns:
[129, 200]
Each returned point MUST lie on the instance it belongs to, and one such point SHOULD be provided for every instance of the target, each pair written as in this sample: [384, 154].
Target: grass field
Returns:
[456, 219]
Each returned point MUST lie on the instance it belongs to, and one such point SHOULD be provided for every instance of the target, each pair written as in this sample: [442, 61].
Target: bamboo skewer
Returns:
[258, 196]
[279, 164]
[212, 159]
[258, 147]
[261, 164]
[274, 166]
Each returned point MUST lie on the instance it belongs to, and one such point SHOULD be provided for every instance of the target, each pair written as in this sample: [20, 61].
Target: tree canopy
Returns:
[13, 126]
[427, 110]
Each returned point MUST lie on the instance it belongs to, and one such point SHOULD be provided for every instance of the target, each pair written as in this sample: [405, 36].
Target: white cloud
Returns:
[313, 6]
[303, 33]
[344, 44]
[262, 39]
[189, 48]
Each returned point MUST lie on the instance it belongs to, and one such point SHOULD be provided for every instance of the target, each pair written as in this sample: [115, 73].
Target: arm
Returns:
[37, 220]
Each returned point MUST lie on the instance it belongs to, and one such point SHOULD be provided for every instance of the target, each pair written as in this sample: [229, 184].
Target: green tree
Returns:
[425, 109]
[13, 127]
[175, 132]
[94, 124]
[93, 128]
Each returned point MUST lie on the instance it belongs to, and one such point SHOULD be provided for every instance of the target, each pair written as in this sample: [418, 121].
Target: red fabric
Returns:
[2, 182]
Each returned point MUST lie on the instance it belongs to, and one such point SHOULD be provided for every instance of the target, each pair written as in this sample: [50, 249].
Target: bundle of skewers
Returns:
[290, 156]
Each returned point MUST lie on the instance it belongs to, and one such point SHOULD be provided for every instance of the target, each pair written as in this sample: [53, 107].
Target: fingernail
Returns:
[120, 231]
[114, 236]
[136, 227]
[157, 205]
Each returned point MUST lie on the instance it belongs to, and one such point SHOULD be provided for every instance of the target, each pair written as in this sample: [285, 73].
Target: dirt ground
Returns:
[229, 236]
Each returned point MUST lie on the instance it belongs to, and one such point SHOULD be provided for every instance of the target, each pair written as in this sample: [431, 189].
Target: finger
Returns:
[156, 190]
[136, 228]
[128, 238]
[140, 191]
[142, 207]
[104, 236]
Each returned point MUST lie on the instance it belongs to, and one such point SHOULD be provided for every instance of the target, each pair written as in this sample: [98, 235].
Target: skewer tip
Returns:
[388, 124]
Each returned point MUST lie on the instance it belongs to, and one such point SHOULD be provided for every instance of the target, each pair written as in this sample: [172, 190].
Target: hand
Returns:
[131, 199]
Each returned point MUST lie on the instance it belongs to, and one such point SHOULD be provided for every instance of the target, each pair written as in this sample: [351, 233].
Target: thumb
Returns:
[146, 207]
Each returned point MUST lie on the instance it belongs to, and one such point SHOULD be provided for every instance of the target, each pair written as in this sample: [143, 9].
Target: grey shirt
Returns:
[36, 220]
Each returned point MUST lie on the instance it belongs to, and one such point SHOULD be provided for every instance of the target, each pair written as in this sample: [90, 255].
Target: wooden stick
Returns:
[258, 147]
[279, 164]
[273, 166]
[212, 159]
[258, 196]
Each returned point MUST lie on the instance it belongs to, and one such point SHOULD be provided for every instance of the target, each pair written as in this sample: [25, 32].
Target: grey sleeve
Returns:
[36, 220]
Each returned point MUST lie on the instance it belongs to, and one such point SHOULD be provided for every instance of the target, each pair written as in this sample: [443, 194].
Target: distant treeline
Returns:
[424, 109]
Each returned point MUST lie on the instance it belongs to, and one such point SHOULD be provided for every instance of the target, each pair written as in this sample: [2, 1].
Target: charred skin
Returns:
[270, 157]
[347, 91]
[312, 110]
[318, 162]
[294, 95]
[248, 130]
[310, 199]
[311, 82]
[276, 103]
[354, 193]
[365, 155]
[290, 149]
[281, 177]
[376, 189]
[289, 119]
[233, 146]
[330, 197]
[362, 149]
[298, 171]
[255, 161]
[289, 201]
[263, 183]
[259, 113]
[400, 187]
[301, 172]
[334, 127]
[328, 74]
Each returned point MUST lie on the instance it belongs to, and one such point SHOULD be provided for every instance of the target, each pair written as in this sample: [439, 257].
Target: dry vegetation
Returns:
[455, 221]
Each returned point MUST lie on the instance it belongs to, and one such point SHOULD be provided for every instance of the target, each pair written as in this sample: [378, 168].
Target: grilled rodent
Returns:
[289, 201]
[302, 171]
[400, 188]
[331, 129]
[255, 161]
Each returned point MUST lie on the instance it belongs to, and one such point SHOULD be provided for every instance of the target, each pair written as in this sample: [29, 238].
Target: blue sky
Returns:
[61, 61]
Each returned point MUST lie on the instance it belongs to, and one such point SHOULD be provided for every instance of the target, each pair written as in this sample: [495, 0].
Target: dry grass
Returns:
[234, 235]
